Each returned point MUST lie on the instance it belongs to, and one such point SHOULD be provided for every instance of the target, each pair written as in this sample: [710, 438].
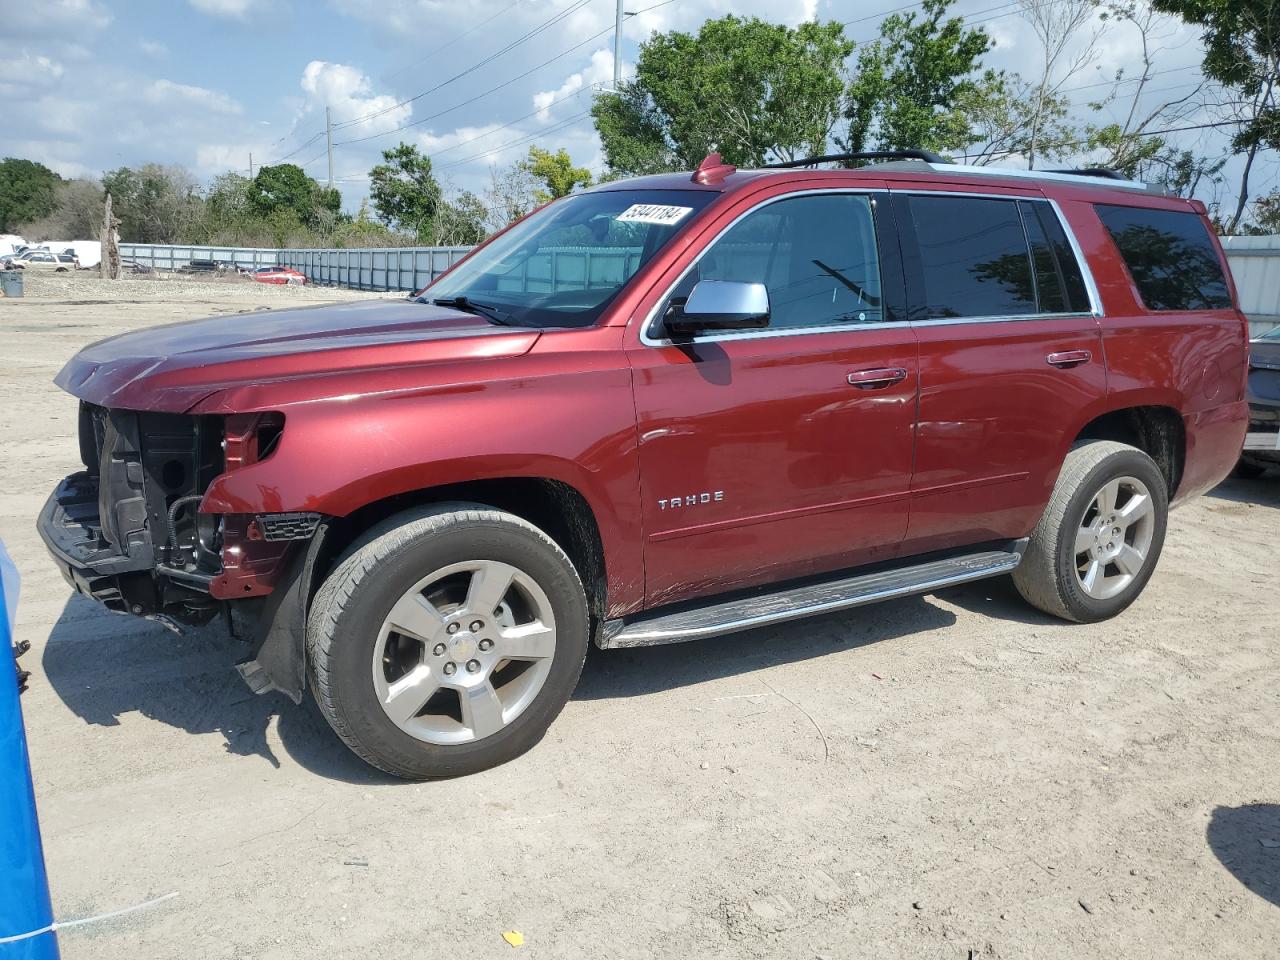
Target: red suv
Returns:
[666, 408]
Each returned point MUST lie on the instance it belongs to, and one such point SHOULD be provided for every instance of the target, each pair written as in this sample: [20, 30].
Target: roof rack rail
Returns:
[927, 156]
[1105, 172]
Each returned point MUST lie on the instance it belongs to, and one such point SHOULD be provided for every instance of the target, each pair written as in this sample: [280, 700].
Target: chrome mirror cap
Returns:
[721, 305]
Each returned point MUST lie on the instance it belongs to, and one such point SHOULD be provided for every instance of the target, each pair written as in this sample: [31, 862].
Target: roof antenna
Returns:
[713, 169]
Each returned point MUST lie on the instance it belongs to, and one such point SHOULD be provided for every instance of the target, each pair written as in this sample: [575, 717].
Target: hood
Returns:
[173, 367]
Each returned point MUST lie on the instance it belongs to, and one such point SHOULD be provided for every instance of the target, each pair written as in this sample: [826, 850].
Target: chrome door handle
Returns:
[877, 378]
[1067, 359]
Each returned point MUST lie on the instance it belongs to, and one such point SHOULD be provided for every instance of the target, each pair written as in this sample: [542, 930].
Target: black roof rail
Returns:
[1105, 173]
[927, 156]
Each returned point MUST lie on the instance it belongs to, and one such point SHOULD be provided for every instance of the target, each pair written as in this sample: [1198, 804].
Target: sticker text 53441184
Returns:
[658, 213]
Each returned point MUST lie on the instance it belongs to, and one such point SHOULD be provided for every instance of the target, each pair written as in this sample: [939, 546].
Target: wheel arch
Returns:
[277, 622]
[557, 508]
[1155, 429]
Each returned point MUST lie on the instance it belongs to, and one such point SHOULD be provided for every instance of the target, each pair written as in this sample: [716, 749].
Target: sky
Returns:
[92, 85]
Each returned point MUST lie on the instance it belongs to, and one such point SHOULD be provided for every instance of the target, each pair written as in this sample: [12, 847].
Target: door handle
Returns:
[876, 379]
[1067, 359]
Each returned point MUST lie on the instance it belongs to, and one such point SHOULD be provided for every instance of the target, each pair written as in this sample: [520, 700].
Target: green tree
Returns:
[556, 172]
[1265, 217]
[405, 192]
[155, 203]
[26, 192]
[77, 214]
[752, 90]
[286, 188]
[460, 222]
[1242, 52]
[919, 83]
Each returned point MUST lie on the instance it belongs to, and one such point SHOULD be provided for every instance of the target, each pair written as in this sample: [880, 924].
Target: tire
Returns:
[1104, 578]
[407, 613]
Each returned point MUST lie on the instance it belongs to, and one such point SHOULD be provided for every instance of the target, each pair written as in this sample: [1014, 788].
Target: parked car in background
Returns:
[45, 260]
[205, 266]
[790, 391]
[88, 253]
[1262, 443]
[279, 275]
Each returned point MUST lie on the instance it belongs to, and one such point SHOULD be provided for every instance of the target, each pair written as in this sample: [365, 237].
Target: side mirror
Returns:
[720, 305]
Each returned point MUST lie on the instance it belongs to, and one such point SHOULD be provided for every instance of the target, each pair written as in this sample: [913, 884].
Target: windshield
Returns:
[564, 265]
[1272, 334]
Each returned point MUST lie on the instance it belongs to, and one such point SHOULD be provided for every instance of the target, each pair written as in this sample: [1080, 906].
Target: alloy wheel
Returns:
[1114, 538]
[464, 652]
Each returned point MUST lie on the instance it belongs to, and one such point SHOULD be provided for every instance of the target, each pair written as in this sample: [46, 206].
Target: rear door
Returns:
[782, 452]
[1010, 354]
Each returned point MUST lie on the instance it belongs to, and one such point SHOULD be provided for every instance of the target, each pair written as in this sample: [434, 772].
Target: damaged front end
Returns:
[128, 532]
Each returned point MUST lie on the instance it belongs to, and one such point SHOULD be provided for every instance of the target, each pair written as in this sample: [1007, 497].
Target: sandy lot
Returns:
[952, 776]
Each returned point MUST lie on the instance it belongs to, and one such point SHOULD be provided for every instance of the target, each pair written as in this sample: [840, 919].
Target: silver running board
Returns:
[730, 616]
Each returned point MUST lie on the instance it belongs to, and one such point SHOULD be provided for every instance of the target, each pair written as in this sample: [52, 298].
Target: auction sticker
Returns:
[653, 213]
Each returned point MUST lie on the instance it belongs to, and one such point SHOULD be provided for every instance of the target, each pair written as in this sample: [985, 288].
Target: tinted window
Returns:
[1050, 293]
[974, 256]
[1170, 257]
[817, 255]
[1068, 266]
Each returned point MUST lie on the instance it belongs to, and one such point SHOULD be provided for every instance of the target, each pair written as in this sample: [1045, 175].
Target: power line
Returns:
[512, 123]
[537, 134]
[545, 25]
[454, 40]
[479, 96]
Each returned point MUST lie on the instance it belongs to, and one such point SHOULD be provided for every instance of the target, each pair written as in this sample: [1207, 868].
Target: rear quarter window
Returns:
[1170, 257]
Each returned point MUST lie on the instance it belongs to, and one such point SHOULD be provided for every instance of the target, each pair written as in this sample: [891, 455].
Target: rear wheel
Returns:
[1100, 537]
[1245, 470]
[447, 641]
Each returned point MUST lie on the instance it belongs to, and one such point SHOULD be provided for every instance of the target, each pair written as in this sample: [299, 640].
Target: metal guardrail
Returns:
[160, 256]
[376, 268]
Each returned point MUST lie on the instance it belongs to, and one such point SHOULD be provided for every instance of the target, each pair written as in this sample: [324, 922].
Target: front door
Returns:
[783, 452]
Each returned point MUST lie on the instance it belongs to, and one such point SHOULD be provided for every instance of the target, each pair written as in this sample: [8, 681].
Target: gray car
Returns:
[1262, 443]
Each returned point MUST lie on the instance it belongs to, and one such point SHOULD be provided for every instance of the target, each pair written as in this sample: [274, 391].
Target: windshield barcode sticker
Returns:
[653, 213]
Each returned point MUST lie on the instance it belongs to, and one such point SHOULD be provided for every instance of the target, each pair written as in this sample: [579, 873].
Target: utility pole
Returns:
[328, 139]
[250, 164]
[617, 47]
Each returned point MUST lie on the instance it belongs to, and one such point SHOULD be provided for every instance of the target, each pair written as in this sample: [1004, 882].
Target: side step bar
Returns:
[763, 609]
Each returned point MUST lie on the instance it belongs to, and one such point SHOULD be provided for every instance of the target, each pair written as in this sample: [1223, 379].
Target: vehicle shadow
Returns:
[637, 671]
[1264, 490]
[1246, 840]
[104, 665]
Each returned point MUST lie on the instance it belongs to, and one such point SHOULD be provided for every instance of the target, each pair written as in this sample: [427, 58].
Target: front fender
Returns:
[340, 454]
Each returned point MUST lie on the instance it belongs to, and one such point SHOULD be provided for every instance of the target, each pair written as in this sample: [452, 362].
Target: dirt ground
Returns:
[951, 776]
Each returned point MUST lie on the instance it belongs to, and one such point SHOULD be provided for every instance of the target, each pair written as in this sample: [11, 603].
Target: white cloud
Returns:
[153, 48]
[54, 17]
[349, 95]
[168, 92]
[599, 71]
[29, 69]
[63, 116]
[231, 9]
[217, 158]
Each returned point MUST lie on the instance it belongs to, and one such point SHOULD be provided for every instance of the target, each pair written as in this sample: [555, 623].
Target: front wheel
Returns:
[1098, 541]
[447, 641]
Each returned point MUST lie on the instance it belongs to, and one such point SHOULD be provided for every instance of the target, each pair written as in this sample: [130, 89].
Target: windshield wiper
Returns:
[467, 305]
